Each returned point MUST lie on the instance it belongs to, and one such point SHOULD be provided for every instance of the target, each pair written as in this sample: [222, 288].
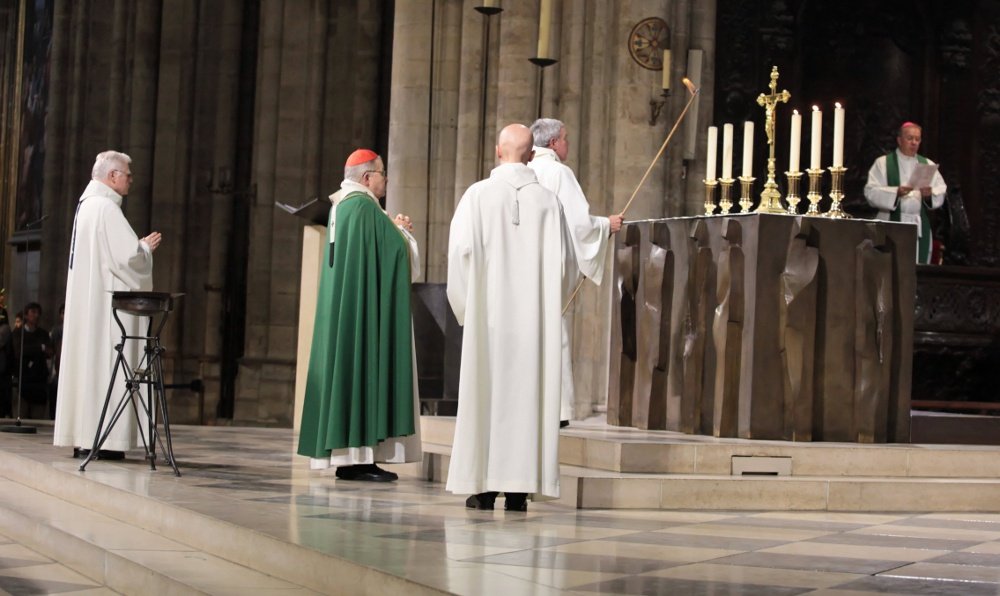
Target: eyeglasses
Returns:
[127, 174]
[385, 173]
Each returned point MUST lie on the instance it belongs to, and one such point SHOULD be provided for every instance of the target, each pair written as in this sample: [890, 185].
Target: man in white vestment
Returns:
[888, 188]
[590, 232]
[105, 256]
[510, 269]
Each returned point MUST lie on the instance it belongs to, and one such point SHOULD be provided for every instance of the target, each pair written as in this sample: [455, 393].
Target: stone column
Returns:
[702, 15]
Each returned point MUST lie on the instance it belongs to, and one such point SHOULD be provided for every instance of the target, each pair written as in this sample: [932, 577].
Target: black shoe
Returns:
[365, 473]
[482, 500]
[563, 423]
[515, 501]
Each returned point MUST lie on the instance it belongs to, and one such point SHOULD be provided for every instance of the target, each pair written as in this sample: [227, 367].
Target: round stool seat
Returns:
[143, 304]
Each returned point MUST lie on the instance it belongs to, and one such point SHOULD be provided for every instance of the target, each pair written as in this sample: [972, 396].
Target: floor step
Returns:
[125, 558]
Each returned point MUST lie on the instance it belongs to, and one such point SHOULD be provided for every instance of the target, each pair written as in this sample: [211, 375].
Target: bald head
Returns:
[514, 144]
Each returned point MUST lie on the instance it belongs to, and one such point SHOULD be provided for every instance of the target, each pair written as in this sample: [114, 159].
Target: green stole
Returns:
[359, 388]
[892, 179]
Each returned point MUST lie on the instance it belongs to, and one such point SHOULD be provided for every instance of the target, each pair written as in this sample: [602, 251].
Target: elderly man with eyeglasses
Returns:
[361, 403]
[105, 256]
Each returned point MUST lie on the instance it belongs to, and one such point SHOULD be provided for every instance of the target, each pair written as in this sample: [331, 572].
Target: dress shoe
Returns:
[482, 501]
[365, 473]
[515, 501]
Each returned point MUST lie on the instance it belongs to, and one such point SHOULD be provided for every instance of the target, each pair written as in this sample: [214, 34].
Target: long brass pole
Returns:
[694, 93]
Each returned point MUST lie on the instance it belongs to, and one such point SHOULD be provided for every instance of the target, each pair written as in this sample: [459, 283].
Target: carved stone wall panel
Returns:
[727, 330]
[623, 327]
[797, 328]
[649, 400]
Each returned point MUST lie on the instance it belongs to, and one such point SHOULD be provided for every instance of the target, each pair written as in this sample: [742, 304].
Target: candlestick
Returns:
[747, 148]
[666, 70]
[725, 204]
[746, 187]
[544, 23]
[817, 131]
[796, 142]
[814, 196]
[838, 136]
[727, 151]
[836, 193]
[711, 153]
[710, 185]
[793, 191]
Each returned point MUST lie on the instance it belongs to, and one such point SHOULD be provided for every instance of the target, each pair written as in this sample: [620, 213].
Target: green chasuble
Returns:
[892, 179]
[359, 390]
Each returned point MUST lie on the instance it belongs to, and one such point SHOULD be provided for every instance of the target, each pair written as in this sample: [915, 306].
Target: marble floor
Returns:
[413, 529]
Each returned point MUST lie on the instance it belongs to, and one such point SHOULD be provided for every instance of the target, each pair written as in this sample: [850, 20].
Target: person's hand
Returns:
[403, 222]
[616, 223]
[925, 192]
[153, 240]
[902, 191]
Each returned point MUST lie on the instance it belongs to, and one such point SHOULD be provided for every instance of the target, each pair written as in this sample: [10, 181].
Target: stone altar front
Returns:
[764, 327]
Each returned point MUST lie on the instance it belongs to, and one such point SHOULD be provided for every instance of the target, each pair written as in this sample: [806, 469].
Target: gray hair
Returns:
[546, 130]
[108, 161]
[356, 173]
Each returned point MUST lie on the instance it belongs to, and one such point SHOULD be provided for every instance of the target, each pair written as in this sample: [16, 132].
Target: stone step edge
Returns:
[106, 567]
[283, 560]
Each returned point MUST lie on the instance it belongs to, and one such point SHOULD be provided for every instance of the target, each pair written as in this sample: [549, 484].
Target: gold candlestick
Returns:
[793, 192]
[770, 198]
[814, 196]
[746, 187]
[836, 193]
[725, 204]
[710, 196]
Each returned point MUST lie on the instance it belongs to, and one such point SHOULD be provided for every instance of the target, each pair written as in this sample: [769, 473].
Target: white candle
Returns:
[666, 69]
[838, 136]
[748, 149]
[796, 143]
[713, 150]
[727, 151]
[817, 131]
[544, 23]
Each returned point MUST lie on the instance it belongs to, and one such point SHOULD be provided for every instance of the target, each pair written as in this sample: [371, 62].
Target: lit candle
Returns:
[713, 150]
[793, 151]
[544, 23]
[838, 136]
[666, 69]
[727, 151]
[817, 131]
[748, 149]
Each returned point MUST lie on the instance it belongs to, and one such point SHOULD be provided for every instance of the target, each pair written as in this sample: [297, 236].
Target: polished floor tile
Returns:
[414, 529]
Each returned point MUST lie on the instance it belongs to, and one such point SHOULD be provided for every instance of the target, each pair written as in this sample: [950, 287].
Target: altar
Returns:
[764, 326]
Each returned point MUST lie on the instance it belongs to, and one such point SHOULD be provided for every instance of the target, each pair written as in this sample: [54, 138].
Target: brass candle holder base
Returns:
[725, 204]
[794, 178]
[746, 188]
[710, 196]
[814, 195]
[836, 193]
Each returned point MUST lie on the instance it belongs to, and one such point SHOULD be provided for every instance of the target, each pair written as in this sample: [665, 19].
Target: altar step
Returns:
[141, 545]
[627, 468]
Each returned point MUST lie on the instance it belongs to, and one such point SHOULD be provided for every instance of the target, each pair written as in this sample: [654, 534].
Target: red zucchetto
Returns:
[361, 156]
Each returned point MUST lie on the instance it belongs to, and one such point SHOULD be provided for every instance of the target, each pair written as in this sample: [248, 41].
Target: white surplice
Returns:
[105, 256]
[883, 197]
[510, 267]
[393, 450]
[590, 244]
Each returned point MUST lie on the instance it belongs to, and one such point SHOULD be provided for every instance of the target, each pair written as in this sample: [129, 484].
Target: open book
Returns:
[316, 211]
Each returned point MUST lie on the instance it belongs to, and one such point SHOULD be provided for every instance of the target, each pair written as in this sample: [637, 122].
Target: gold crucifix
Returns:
[770, 199]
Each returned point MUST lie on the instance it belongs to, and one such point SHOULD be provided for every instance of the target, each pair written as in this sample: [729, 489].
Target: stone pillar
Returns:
[702, 37]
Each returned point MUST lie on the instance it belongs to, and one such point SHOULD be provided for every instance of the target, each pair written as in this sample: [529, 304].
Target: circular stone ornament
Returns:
[647, 41]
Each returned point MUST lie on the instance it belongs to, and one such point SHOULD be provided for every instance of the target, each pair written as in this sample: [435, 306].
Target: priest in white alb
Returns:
[888, 188]
[590, 232]
[105, 256]
[510, 269]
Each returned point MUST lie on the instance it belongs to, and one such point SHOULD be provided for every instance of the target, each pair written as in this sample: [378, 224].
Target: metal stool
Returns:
[148, 372]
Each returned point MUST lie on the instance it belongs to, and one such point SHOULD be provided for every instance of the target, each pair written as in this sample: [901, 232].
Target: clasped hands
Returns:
[403, 222]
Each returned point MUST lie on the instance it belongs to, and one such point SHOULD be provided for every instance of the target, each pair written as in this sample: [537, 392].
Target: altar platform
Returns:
[663, 514]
